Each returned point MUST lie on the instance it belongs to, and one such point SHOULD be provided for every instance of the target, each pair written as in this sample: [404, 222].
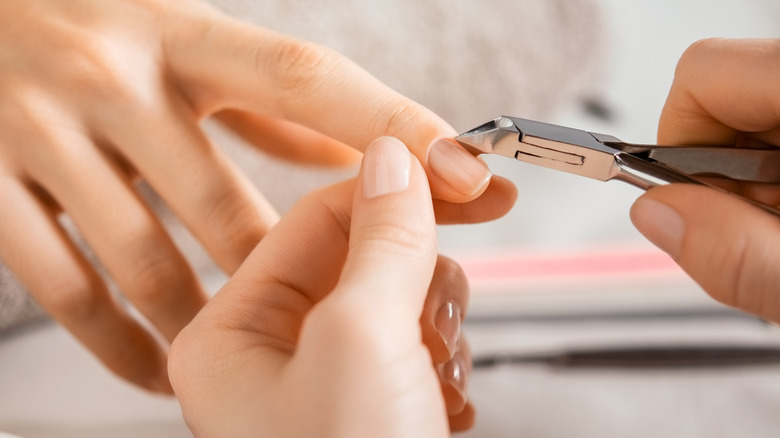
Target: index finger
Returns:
[228, 64]
[724, 89]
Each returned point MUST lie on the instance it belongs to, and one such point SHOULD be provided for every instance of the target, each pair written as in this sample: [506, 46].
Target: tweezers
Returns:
[604, 157]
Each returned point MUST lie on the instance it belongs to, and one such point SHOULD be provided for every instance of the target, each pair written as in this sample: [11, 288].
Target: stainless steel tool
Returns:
[604, 157]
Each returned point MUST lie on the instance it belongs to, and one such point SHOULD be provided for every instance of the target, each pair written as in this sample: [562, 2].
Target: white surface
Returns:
[49, 387]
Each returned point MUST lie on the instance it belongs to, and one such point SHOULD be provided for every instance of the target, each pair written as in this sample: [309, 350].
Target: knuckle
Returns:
[28, 115]
[91, 69]
[403, 115]
[298, 65]
[90, 72]
[237, 221]
[393, 239]
[157, 276]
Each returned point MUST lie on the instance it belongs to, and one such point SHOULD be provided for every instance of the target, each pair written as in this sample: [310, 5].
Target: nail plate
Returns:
[464, 172]
[386, 167]
[448, 324]
[455, 373]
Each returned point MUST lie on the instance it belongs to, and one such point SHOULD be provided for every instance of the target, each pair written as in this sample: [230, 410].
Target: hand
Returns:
[96, 94]
[724, 92]
[319, 332]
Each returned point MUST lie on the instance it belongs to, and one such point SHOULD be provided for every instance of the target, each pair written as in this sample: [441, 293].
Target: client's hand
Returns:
[320, 333]
[724, 92]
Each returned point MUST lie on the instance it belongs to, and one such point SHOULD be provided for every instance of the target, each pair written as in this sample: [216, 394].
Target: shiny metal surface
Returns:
[604, 157]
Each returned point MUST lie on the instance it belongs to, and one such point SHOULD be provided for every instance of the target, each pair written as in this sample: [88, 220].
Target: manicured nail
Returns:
[447, 323]
[386, 167]
[455, 373]
[660, 223]
[464, 172]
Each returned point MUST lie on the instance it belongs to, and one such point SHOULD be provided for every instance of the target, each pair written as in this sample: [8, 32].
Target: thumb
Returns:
[392, 243]
[731, 248]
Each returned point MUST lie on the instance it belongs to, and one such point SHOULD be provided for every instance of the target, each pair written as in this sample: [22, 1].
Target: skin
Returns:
[724, 92]
[298, 345]
[97, 95]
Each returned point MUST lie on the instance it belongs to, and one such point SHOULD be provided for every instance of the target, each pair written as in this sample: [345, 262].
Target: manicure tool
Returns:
[604, 157]
[681, 356]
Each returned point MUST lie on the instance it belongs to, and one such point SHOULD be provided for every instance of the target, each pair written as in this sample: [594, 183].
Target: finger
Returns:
[36, 249]
[295, 274]
[265, 294]
[441, 322]
[454, 377]
[723, 88]
[765, 193]
[288, 140]
[495, 202]
[372, 315]
[222, 209]
[444, 310]
[259, 71]
[463, 420]
[728, 246]
[392, 243]
[122, 232]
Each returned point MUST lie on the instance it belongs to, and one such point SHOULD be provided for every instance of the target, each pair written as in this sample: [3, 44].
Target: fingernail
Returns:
[386, 167]
[455, 373]
[447, 323]
[464, 172]
[660, 223]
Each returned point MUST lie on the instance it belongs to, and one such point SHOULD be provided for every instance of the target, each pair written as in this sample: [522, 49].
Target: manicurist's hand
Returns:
[724, 92]
[95, 94]
[340, 323]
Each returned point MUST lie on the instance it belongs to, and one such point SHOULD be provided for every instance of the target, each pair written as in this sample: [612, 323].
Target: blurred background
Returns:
[563, 273]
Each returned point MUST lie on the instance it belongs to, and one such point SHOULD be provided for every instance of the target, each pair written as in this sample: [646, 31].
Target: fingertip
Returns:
[500, 195]
[496, 201]
[660, 223]
[392, 236]
[455, 174]
[444, 310]
[464, 420]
